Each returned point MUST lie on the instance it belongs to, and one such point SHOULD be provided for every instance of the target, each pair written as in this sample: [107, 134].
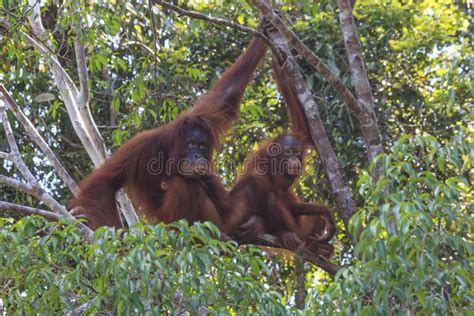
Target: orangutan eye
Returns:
[297, 152]
[288, 152]
[192, 144]
[202, 146]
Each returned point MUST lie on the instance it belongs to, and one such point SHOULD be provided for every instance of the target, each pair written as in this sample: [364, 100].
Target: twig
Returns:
[145, 47]
[28, 210]
[70, 142]
[34, 135]
[222, 22]
[323, 263]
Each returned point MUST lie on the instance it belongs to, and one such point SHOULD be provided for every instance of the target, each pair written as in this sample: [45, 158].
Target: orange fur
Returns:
[166, 195]
[268, 193]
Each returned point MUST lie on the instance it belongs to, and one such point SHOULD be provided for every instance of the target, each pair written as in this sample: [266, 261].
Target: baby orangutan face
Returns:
[290, 160]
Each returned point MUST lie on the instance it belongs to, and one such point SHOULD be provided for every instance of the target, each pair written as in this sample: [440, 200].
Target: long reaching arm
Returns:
[234, 80]
[299, 123]
[220, 105]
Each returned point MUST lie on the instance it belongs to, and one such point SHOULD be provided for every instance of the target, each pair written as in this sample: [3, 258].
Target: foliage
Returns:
[415, 252]
[158, 269]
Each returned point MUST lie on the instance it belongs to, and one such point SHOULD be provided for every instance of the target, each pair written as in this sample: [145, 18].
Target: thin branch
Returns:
[5, 156]
[43, 196]
[4, 205]
[323, 263]
[33, 187]
[26, 12]
[368, 121]
[222, 22]
[68, 93]
[70, 142]
[67, 88]
[126, 207]
[155, 53]
[21, 186]
[316, 62]
[79, 49]
[65, 80]
[36, 137]
[14, 151]
[83, 97]
[145, 47]
[38, 192]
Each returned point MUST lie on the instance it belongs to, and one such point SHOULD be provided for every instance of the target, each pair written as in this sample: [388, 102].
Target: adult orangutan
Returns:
[263, 194]
[168, 170]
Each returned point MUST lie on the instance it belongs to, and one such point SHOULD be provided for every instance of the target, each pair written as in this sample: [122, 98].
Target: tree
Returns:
[119, 68]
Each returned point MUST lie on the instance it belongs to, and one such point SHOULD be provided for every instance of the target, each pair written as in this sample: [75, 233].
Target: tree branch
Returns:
[323, 263]
[127, 208]
[79, 49]
[222, 22]
[68, 93]
[368, 121]
[83, 96]
[67, 88]
[23, 187]
[5, 156]
[33, 187]
[300, 292]
[14, 151]
[34, 135]
[28, 210]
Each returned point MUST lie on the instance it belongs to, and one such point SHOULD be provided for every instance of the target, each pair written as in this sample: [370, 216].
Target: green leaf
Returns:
[380, 245]
[116, 104]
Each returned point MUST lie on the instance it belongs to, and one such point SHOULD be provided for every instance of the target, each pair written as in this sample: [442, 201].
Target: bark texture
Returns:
[368, 121]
